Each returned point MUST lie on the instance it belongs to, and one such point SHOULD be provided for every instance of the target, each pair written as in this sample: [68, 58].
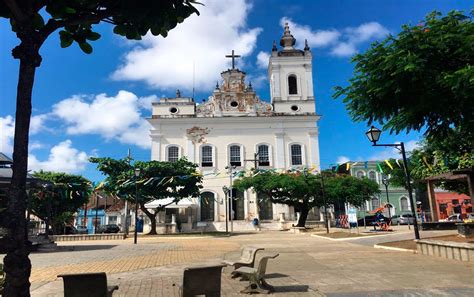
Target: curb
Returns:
[348, 238]
[394, 249]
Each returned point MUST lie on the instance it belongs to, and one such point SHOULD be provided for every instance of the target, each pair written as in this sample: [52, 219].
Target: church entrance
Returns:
[207, 206]
[265, 207]
[237, 205]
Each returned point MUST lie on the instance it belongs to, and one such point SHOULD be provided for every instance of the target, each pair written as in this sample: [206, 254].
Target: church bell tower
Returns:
[291, 77]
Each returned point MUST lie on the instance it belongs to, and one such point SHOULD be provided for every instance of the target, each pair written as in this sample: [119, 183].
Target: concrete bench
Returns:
[201, 280]
[247, 259]
[256, 277]
[87, 284]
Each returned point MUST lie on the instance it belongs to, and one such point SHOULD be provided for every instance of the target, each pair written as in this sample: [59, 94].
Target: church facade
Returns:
[234, 130]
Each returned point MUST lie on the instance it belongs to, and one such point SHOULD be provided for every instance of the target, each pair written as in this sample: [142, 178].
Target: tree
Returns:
[59, 198]
[421, 78]
[76, 19]
[302, 191]
[157, 180]
[349, 189]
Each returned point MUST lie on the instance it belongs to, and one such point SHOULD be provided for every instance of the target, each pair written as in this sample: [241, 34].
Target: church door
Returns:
[265, 207]
[237, 205]
[207, 206]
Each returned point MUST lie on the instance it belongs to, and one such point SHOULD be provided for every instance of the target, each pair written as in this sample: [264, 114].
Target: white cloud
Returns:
[394, 153]
[7, 131]
[342, 43]
[342, 159]
[262, 60]
[37, 123]
[318, 38]
[117, 117]
[200, 42]
[62, 158]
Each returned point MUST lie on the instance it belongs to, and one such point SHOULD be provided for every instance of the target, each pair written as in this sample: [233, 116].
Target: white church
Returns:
[234, 130]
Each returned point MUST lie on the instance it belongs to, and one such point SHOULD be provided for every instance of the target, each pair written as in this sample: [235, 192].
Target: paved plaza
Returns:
[307, 266]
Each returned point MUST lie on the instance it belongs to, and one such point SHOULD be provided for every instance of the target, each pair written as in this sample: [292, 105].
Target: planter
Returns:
[446, 249]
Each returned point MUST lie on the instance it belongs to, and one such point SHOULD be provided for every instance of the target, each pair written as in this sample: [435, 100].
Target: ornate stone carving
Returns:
[197, 134]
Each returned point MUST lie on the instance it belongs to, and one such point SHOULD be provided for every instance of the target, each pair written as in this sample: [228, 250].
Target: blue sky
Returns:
[71, 88]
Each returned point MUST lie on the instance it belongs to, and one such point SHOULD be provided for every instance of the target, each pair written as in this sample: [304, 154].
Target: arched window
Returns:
[296, 154]
[292, 85]
[207, 206]
[206, 156]
[375, 203]
[372, 176]
[173, 153]
[234, 152]
[360, 174]
[404, 204]
[263, 155]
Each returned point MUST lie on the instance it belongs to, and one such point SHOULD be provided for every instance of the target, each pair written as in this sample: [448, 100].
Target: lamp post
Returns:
[385, 180]
[374, 135]
[135, 235]
[226, 193]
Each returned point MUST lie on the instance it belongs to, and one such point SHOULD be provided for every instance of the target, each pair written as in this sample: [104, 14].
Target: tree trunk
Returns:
[303, 216]
[17, 264]
[152, 217]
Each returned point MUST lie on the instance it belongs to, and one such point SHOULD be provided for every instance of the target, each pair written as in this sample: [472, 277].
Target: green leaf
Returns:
[86, 47]
[69, 10]
[120, 30]
[38, 21]
[66, 38]
[93, 36]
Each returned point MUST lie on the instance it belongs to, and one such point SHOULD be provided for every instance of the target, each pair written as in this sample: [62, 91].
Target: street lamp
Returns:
[385, 180]
[135, 235]
[374, 135]
[226, 193]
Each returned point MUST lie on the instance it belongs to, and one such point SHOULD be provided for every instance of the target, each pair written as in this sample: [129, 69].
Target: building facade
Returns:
[225, 133]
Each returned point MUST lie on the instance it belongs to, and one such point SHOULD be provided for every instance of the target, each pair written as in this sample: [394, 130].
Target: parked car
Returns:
[469, 218]
[111, 228]
[82, 229]
[406, 219]
[453, 218]
[370, 220]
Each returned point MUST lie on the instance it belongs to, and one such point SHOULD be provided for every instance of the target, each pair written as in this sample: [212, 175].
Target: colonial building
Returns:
[234, 130]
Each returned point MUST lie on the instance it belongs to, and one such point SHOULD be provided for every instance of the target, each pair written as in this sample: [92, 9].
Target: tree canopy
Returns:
[59, 198]
[304, 191]
[422, 78]
[157, 180]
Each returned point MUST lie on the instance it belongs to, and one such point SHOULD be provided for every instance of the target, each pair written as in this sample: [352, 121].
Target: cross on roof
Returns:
[233, 56]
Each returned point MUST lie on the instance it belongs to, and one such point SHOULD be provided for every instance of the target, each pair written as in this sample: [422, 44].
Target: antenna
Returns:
[194, 75]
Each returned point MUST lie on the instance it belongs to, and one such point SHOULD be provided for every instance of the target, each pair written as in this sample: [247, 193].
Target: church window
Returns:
[404, 204]
[360, 174]
[206, 156]
[263, 155]
[235, 159]
[173, 153]
[234, 104]
[292, 85]
[295, 108]
[375, 203]
[296, 154]
[173, 110]
[372, 176]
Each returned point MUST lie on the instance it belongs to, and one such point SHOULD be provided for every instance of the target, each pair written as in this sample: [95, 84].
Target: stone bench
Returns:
[78, 237]
[446, 249]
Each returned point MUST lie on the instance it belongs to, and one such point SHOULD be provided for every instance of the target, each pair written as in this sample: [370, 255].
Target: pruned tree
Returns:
[58, 196]
[157, 181]
[422, 78]
[349, 189]
[34, 22]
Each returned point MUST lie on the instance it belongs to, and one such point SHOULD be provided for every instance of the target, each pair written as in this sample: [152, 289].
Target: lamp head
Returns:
[137, 172]
[373, 134]
[225, 189]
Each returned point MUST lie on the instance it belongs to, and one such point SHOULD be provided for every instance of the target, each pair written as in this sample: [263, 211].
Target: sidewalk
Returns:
[306, 266]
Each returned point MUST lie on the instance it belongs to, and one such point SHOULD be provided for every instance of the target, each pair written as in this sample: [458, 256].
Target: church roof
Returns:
[4, 159]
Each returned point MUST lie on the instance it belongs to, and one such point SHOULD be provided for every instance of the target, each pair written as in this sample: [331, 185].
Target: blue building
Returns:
[92, 219]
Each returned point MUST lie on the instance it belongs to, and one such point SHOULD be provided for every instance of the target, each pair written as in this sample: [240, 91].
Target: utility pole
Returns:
[127, 219]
